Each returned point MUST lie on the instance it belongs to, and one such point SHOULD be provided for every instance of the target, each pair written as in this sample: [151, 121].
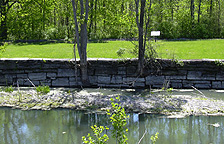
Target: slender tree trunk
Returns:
[81, 39]
[3, 29]
[91, 19]
[171, 2]
[219, 16]
[141, 53]
[211, 6]
[44, 15]
[199, 11]
[95, 25]
[192, 10]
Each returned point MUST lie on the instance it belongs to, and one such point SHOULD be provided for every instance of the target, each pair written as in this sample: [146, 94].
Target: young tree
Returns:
[5, 5]
[81, 36]
[142, 24]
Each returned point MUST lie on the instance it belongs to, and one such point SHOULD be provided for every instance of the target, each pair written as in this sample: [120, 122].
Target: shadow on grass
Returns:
[37, 42]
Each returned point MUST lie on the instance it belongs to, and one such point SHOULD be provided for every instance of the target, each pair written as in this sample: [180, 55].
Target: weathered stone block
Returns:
[139, 84]
[9, 79]
[158, 86]
[116, 80]
[131, 70]
[216, 84]
[194, 75]
[66, 72]
[93, 80]
[28, 83]
[2, 79]
[37, 76]
[203, 86]
[133, 80]
[73, 81]
[121, 70]
[63, 82]
[176, 85]
[220, 76]
[105, 71]
[45, 82]
[177, 77]
[51, 75]
[155, 80]
[103, 80]
[21, 81]
[23, 76]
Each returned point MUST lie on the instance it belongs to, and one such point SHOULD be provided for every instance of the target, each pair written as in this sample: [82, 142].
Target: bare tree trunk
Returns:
[5, 5]
[3, 29]
[91, 18]
[140, 24]
[171, 1]
[199, 11]
[192, 10]
[211, 6]
[81, 39]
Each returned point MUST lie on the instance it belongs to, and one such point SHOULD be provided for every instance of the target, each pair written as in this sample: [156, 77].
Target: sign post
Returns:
[155, 34]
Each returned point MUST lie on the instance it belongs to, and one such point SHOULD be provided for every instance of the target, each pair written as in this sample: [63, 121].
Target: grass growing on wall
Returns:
[198, 49]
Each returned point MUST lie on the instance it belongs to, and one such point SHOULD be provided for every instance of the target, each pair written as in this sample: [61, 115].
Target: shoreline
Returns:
[98, 101]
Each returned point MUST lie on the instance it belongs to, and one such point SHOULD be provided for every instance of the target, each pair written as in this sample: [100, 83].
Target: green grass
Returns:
[198, 49]
[65, 50]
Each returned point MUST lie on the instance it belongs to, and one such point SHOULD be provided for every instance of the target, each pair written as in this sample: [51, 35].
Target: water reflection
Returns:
[68, 126]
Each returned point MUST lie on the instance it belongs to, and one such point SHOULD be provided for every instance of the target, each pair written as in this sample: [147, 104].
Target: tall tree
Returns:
[199, 11]
[81, 36]
[142, 24]
[5, 5]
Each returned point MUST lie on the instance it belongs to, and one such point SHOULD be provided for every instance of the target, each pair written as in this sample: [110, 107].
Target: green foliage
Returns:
[154, 138]
[151, 50]
[178, 62]
[43, 89]
[53, 19]
[3, 47]
[219, 63]
[99, 138]
[9, 89]
[121, 52]
[118, 118]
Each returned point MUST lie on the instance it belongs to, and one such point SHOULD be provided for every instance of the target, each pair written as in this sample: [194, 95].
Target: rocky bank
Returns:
[98, 100]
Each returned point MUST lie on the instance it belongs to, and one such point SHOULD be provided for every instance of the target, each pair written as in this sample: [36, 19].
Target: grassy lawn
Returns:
[198, 49]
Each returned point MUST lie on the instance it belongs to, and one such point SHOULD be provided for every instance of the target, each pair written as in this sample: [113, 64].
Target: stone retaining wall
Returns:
[206, 74]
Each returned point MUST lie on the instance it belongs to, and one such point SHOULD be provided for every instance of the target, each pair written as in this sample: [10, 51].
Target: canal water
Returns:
[68, 127]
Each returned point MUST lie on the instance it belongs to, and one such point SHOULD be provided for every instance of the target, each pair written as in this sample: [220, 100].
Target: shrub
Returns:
[43, 89]
[9, 89]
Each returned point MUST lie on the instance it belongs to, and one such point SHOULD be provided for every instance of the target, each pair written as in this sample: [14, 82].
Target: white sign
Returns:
[155, 33]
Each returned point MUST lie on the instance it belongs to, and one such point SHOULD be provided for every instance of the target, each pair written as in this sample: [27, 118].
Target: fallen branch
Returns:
[198, 91]
[142, 137]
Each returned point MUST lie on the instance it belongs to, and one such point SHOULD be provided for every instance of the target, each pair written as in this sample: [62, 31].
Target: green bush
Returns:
[118, 119]
[9, 89]
[43, 89]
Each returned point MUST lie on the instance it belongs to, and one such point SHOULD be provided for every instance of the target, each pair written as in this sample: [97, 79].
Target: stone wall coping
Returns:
[103, 59]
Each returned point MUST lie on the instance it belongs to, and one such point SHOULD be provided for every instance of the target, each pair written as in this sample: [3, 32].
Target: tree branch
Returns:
[76, 26]
[136, 11]
[10, 5]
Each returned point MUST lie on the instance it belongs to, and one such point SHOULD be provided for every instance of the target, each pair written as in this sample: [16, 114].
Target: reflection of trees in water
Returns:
[20, 127]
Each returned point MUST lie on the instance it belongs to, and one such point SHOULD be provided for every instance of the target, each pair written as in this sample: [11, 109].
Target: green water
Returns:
[68, 126]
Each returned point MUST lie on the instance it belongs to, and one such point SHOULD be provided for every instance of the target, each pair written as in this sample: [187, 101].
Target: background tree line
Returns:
[53, 19]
